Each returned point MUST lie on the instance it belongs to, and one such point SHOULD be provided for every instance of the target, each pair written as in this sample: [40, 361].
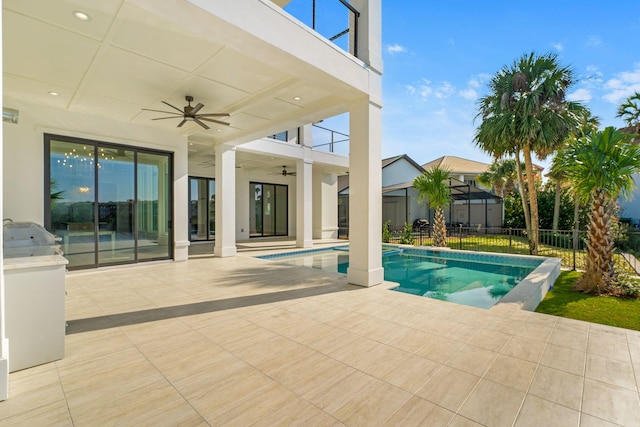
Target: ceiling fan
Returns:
[285, 173]
[190, 114]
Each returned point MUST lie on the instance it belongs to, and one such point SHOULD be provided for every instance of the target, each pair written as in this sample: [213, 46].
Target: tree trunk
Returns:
[439, 229]
[533, 200]
[523, 196]
[576, 222]
[599, 273]
[556, 205]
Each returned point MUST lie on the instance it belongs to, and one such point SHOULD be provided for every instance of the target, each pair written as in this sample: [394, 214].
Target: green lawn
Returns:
[564, 302]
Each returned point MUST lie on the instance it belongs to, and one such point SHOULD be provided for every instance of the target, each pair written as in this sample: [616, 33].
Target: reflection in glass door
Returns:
[116, 243]
[154, 209]
[72, 195]
[109, 204]
[202, 209]
[268, 206]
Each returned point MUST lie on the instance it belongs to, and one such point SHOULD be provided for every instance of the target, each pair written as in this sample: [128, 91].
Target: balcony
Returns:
[335, 20]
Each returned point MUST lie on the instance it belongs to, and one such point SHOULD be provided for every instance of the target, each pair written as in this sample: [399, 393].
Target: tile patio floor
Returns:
[242, 341]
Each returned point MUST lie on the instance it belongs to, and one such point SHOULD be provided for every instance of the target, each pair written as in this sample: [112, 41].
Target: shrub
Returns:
[386, 234]
[407, 235]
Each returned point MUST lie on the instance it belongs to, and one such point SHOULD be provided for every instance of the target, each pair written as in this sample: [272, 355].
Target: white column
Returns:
[325, 205]
[304, 205]
[365, 155]
[365, 195]
[4, 343]
[225, 201]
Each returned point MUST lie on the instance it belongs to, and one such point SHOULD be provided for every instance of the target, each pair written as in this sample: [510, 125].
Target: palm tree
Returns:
[527, 112]
[599, 166]
[433, 186]
[557, 173]
[629, 111]
[501, 176]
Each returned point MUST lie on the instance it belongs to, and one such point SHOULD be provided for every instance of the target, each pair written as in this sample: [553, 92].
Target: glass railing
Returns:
[335, 20]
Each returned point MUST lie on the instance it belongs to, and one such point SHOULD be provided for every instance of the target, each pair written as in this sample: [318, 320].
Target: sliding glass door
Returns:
[110, 204]
[268, 206]
[202, 209]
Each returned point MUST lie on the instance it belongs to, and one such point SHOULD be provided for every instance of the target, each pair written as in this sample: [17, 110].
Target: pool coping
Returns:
[526, 295]
[531, 290]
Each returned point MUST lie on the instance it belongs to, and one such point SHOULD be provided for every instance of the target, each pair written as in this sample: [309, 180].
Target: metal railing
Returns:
[334, 137]
[568, 245]
[333, 19]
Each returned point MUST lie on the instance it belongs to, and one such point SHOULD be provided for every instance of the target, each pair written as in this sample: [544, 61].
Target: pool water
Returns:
[464, 278]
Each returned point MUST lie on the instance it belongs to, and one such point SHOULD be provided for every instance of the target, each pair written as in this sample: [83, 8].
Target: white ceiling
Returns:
[128, 57]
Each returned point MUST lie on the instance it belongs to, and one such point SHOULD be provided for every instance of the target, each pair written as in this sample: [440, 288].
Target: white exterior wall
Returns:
[23, 154]
[398, 172]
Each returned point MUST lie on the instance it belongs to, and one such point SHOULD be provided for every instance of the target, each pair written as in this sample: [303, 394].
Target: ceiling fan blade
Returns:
[182, 122]
[215, 115]
[162, 118]
[195, 119]
[197, 108]
[173, 106]
[213, 121]
[160, 111]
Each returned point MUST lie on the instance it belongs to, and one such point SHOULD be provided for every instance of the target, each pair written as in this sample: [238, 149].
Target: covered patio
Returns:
[246, 341]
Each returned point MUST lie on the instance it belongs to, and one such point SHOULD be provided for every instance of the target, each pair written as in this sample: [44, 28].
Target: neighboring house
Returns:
[630, 206]
[467, 171]
[471, 206]
[461, 169]
[86, 94]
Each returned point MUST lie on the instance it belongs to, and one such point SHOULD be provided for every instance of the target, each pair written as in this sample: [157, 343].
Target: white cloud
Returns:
[623, 85]
[395, 48]
[468, 93]
[445, 90]
[593, 41]
[580, 95]
[557, 46]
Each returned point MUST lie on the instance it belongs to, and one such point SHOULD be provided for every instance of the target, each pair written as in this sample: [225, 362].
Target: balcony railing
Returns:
[335, 20]
[326, 139]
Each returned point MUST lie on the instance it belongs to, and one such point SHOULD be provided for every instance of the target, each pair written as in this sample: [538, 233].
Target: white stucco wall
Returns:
[399, 172]
[23, 158]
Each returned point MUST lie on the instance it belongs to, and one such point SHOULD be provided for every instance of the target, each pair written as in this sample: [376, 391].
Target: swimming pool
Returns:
[475, 279]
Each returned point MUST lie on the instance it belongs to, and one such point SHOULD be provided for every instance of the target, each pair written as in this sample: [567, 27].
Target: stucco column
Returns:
[225, 201]
[304, 205]
[4, 342]
[365, 195]
[325, 205]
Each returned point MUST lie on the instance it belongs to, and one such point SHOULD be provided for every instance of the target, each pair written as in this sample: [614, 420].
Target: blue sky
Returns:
[439, 56]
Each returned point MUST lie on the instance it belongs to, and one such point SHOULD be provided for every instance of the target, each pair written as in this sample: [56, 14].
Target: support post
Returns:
[225, 201]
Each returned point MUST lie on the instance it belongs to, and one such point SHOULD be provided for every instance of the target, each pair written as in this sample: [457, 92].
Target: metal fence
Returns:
[568, 245]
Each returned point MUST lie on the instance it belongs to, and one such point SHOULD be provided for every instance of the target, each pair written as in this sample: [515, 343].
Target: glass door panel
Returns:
[281, 210]
[268, 210]
[116, 196]
[154, 207]
[212, 209]
[255, 210]
[201, 209]
[72, 200]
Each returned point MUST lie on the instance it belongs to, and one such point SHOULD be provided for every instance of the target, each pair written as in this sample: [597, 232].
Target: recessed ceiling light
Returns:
[191, 143]
[218, 130]
[81, 16]
[296, 98]
[52, 93]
